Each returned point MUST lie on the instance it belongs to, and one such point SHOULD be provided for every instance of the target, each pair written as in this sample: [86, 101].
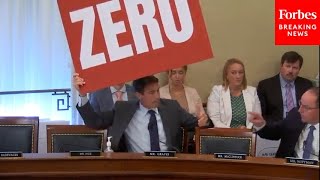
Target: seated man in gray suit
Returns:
[148, 124]
[104, 99]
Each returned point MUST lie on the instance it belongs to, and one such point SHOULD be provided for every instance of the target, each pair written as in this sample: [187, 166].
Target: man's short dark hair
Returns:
[141, 83]
[292, 57]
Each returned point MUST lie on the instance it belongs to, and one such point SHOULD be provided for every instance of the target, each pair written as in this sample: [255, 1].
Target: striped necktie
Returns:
[289, 97]
[119, 95]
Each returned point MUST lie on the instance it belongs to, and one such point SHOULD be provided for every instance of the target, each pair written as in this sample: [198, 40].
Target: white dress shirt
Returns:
[315, 144]
[137, 133]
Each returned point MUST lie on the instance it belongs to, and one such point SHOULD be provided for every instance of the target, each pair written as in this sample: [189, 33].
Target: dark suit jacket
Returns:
[102, 100]
[172, 115]
[269, 92]
[288, 130]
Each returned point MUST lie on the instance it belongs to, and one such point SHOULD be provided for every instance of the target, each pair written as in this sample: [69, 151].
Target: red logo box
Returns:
[297, 22]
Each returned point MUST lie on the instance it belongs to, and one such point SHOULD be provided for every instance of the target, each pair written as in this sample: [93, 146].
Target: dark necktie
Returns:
[307, 144]
[153, 130]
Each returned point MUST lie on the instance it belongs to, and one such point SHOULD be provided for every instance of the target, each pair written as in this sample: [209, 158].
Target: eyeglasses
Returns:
[306, 106]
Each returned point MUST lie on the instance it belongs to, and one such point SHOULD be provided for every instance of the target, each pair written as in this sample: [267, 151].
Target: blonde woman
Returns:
[187, 97]
[229, 103]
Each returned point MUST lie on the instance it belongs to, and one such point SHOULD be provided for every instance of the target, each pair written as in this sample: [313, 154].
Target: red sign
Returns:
[297, 22]
[114, 41]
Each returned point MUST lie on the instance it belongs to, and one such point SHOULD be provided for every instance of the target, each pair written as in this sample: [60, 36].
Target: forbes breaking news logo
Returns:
[297, 29]
[297, 22]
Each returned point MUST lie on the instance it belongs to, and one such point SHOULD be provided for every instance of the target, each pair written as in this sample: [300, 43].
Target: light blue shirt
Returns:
[137, 134]
[283, 83]
[124, 93]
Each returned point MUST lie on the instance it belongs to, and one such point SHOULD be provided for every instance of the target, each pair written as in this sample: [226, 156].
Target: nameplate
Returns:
[230, 156]
[302, 161]
[85, 153]
[160, 153]
[10, 154]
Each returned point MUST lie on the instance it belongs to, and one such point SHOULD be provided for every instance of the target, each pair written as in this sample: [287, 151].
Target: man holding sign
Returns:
[149, 124]
[118, 39]
[299, 132]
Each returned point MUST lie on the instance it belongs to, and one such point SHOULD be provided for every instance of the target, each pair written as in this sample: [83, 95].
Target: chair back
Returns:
[66, 138]
[225, 140]
[183, 140]
[19, 133]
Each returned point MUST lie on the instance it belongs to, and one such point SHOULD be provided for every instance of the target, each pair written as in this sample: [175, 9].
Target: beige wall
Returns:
[243, 29]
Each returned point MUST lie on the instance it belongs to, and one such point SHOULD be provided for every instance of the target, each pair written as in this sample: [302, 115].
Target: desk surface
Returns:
[137, 166]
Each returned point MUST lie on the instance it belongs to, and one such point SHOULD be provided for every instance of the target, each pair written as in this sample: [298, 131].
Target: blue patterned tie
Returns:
[307, 144]
[153, 130]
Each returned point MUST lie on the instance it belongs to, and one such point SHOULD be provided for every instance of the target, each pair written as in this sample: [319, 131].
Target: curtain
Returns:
[34, 55]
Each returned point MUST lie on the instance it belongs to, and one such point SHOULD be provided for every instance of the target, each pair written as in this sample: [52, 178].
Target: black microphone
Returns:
[64, 148]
